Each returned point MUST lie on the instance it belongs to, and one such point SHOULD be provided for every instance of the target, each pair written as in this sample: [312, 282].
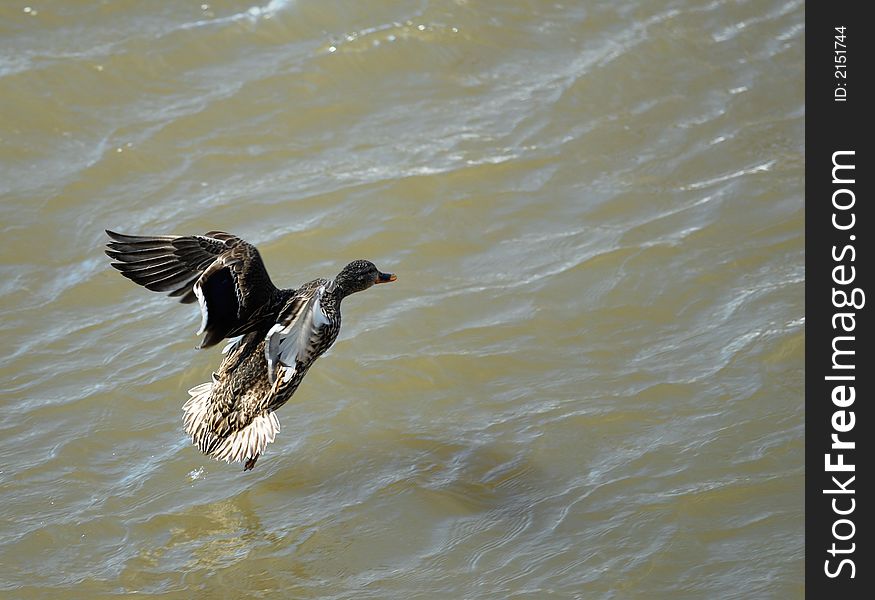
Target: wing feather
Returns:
[224, 273]
[148, 260]
[293, 338]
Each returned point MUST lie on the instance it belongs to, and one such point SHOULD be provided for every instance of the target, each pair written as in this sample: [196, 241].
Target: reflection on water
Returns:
[586, 382]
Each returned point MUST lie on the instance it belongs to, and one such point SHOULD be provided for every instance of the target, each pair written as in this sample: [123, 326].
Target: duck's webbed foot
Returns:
[250, 463]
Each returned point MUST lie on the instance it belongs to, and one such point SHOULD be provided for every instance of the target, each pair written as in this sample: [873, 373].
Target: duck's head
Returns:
[360, 275]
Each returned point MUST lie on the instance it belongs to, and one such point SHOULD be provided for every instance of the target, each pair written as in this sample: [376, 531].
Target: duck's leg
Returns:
[250, 463]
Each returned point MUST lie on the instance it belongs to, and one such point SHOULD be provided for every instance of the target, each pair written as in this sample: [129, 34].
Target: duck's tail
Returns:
[245, 444]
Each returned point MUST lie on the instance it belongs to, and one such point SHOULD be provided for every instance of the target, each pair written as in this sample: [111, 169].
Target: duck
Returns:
[274, 334]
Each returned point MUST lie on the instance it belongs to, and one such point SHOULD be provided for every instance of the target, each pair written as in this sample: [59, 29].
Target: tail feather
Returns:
[246, 443]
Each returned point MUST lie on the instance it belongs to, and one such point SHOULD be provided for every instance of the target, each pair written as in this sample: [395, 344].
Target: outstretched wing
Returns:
[298, 336]
[223, 272]
[168, 263]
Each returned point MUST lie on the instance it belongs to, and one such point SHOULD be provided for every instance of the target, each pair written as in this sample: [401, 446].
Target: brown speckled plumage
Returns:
[279, 332]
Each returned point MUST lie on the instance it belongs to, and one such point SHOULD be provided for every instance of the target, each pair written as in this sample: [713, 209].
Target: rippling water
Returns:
[586, 382]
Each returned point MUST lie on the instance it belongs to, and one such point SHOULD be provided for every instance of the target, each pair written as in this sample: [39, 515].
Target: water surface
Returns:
[586, 382]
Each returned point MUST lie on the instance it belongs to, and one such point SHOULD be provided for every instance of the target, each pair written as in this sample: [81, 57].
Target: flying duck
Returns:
[276, 334]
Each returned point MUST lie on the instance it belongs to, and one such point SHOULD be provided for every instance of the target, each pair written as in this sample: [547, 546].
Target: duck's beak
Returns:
[385, 278]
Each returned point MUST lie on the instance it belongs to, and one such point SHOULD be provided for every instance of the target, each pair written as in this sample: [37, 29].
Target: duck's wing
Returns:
[298, 335]
[223, 272]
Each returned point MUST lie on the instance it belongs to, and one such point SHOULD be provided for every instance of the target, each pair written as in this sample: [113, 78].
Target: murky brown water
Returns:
[586, 382]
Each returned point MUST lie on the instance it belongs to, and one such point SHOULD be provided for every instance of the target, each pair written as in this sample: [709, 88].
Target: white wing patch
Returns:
[291, 341]
[203, 304]
[272, 350]
[319, 318]
[232, 344]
